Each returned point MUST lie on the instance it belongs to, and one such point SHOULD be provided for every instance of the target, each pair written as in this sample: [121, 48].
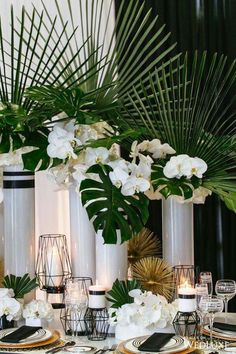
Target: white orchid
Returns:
[118, 176]
[10, 307]
[5, 292]
[96, 155]
[184, 165]
[153, 311]
[62, 141]
[135, 185]
[156, 148]
[193, 166]
[173, 168]
[38, 309]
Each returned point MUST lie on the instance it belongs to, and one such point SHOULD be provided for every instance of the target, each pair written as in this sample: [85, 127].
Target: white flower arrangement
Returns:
[148, 310]
[9, 306]
[69, 141]
[38, 309]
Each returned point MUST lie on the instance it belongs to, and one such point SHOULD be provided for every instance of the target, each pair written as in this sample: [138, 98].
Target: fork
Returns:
[101, 351]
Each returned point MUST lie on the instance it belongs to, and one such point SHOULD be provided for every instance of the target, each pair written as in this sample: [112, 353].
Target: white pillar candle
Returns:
[187, 299]
[54, 271]
[97, 298]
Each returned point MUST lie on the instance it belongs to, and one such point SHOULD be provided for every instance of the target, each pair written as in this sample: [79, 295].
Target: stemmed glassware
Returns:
[206, 278]
[211, 305]
[226, 289]
[201, 290]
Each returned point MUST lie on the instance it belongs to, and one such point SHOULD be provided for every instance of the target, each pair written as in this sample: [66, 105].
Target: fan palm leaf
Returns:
[125, 47]
[192, 108]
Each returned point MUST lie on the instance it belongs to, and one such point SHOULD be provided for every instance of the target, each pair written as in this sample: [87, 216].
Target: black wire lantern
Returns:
[96, 322]
[53, 265]
[186, 324]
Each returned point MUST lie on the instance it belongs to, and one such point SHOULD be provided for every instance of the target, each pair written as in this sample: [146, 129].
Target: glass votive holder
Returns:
[73, 320]
[76, 302]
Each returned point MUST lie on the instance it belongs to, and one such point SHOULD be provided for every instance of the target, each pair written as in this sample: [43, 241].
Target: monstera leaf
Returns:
[109, 209]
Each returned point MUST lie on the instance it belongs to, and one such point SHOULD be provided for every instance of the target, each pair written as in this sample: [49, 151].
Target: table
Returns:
[112, 340]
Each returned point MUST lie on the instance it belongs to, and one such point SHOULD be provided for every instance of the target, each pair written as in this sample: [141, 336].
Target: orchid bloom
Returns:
[184, 165]
[157, 149]
[62, 141]
[118, 177]
[193, 166]
[10, 307]
[97, 155]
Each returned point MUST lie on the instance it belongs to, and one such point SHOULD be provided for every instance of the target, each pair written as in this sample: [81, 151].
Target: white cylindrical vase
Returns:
[82, 238]
[177, 232]
[19, 221]
[111, 262]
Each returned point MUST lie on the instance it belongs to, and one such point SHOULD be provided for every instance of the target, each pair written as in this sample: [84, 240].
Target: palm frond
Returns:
[123, 44]
[119, 294]
[188, 106]
[20, 285]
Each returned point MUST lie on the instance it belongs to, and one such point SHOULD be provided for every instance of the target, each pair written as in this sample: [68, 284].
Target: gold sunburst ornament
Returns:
[155, 275]
[143, 244]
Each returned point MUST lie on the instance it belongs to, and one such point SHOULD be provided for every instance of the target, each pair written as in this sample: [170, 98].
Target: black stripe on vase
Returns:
[21, 173]
[18, 184]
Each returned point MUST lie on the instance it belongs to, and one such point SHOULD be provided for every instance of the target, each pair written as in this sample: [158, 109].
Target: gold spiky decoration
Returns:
[1, 271]
[143, 244]
[155, 275]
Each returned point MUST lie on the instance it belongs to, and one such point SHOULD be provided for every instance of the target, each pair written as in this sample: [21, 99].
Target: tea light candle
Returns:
[97, 298]
[187, 298]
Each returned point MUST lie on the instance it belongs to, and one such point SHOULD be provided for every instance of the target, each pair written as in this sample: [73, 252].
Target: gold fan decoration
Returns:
[143, 244]
[155, 275]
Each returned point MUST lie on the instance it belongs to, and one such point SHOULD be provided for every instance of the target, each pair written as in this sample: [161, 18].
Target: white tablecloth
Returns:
[82, 340]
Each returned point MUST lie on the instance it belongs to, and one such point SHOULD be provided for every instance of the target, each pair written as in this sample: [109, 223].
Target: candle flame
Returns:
[185, 284]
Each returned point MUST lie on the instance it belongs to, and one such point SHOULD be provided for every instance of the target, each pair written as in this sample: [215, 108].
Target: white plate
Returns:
[39, 336]
[175, 345]
[79, 349]
[220, 333]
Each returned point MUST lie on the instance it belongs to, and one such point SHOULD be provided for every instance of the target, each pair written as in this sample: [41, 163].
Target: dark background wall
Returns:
[203, 25]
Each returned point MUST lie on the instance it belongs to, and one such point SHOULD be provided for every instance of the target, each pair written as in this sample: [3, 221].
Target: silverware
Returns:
[58, 349]
[101, 351]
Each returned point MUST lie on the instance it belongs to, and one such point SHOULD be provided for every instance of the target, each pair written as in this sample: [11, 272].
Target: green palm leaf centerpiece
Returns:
[191, 106]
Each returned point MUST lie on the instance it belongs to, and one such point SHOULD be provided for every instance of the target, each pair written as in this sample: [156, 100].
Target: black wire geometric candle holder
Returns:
[53, 266]
[96, 322]
[186, 324]
[76, 302]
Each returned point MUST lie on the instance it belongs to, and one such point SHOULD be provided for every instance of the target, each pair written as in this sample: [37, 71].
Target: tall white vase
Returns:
[19, 221]
[111, 262]
[82, 238]
[177, 232]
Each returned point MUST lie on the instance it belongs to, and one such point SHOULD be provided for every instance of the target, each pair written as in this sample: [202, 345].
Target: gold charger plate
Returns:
[218, 335]
[53, 339]
[121, 348]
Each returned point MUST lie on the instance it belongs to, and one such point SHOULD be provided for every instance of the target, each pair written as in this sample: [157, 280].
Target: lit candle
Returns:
[53, 269]
[97, 298]
[187, 298]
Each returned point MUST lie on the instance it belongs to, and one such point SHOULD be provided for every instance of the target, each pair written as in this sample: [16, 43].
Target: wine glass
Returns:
[201, 290]
[226, 289]
[211, 305]
[206, 278]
